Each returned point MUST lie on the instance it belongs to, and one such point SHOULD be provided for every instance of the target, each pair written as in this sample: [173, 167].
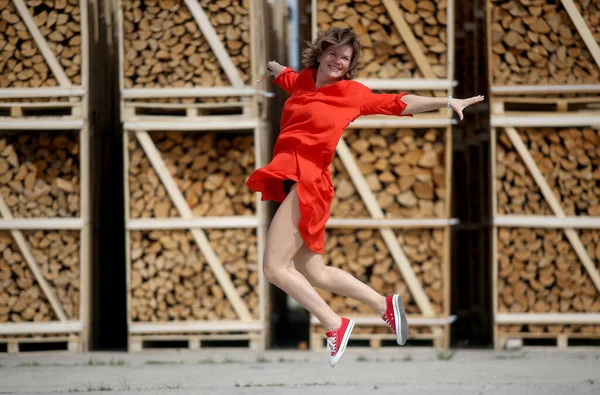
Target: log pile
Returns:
[364, 254]
[535, 42]
[164, 47]
[385, 54]
[57, 255]
[21, 63]
[539, 272]
[211, 170]
[404, 168]
[39, 174]
[569, 159]
[171, 280]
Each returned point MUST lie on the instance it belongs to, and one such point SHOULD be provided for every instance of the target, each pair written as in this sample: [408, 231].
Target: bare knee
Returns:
[274, 266]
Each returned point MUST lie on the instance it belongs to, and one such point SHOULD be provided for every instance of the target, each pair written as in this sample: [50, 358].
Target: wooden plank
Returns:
[403, 84]
[388, 235]
[42, 223]
[533, 119]
[226, 222]
[219, 91]
[210, 35]
[126, 139]
[42, 45]
[193, 326]
[85, 40]
[546, 221]
[232, 123]
[450, 39]
[85, 256]
[261, 238]
[313, 18]
[41, 124]
[543, 89]
[554, 204]
[547, 318]
[418, 121]
[199, 236]
[15, 93]
[493, 156]
[390, 223]
[17, 328]
[409, 39]
[583, 29]
[33, 266]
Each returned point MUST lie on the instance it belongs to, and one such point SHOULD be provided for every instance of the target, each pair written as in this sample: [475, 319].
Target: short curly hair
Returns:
[334, 36]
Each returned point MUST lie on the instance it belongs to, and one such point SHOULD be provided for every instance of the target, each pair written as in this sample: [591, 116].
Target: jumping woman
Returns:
[323, 102]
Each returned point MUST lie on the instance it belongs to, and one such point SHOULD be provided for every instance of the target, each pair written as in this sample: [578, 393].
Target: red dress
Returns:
[312, 124]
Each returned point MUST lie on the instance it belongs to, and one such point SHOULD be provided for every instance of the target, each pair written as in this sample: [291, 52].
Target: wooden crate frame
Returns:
[585, 34]
[256, 331]
[76, 331]
[557, 221]
[440, 86]
[251, 99]
[440, 324]
[77, 94]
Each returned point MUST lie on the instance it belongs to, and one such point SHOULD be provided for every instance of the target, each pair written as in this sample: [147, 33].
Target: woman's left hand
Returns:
[458, 105]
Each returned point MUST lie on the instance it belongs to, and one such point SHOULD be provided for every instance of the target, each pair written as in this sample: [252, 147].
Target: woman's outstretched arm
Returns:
[416, 104]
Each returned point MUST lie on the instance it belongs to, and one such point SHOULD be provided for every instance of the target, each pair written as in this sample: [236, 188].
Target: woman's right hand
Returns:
[268, 72]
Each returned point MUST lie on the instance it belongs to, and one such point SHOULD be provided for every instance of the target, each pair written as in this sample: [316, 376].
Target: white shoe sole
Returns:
[401, 322]
[334, 360]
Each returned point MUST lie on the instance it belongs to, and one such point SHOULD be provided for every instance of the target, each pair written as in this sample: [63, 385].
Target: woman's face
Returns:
[335, 61]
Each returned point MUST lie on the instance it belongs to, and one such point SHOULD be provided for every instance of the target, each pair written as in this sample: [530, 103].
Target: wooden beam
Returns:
[15, 93]
[403, 84]
[390, 223]
[547, 221]
[33, 328]
[41, 124]
[583, 29]
[388, 235]
[33, 266]
[193, 124]
[407, 35]
[242, 221]
[42, 45]
[547, 318]
[219, 91]
[425, 120]
[42, 223]
[215, 43]
[193, 326]
[543, 89]
[588, 118]
[199, 236]
[554, 204]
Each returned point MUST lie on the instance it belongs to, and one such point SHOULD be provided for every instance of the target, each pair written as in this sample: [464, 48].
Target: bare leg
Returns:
[283, 241]
[332, 279]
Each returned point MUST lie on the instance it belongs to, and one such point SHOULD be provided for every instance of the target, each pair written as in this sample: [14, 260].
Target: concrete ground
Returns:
[402, 371]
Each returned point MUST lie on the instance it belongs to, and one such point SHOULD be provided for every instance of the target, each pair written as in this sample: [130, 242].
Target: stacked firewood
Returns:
[569, 159]
[21, 62]
[385, 54]
[57, 255]
[404, 168]
[171, 280]
[210, 169]
[365, 255]
[39, 174]
[164, 46]
[535, 42]
[539, 272]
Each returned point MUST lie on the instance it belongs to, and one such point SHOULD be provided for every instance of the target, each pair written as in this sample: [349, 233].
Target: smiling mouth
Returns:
[334, 68]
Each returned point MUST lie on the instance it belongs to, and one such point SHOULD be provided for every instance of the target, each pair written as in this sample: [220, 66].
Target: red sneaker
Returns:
[337, 340]
[395, 317]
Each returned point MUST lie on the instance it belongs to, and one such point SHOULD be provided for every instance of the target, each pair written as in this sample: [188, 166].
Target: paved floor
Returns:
[211, 371]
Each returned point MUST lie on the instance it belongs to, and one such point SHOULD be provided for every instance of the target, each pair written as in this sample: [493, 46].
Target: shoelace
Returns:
[331, 344]
[389, 323]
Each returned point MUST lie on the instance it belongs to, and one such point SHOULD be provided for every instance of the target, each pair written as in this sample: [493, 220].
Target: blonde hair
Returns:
[334, 36]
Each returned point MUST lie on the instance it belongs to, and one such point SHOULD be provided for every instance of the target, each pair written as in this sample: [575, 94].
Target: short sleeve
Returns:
[287, 80]
[382, 103]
